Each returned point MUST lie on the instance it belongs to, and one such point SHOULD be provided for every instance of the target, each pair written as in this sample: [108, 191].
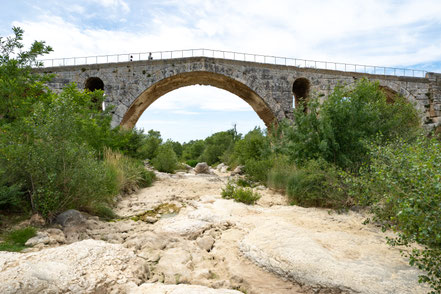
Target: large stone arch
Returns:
[162, 87]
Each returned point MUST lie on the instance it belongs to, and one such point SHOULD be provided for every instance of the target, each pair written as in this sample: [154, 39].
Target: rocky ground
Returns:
[180, 236]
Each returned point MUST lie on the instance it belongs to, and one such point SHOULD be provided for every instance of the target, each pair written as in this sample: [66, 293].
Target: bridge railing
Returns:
[303, 63]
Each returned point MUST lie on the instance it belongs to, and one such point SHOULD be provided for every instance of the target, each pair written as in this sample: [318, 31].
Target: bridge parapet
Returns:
[237, 56]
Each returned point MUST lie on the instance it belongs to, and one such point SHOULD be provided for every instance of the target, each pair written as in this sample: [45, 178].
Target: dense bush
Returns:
[165, 160]
[47, 155]
[317, 184]
[240, 194]
[279, 174]
[403, 186]
[130, 173]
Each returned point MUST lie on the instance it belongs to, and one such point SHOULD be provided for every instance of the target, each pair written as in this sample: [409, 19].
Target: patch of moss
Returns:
[165, 210]
[14, 241]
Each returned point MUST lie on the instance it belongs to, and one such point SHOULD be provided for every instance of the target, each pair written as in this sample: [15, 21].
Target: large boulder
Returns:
[202, 168]
[89, 266]
[70, 217]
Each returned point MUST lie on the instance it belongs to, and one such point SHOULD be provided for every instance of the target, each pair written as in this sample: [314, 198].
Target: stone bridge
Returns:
[271, 90]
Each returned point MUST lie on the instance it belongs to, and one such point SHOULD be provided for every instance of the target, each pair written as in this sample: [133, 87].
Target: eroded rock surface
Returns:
[88, 266]
[180, 236]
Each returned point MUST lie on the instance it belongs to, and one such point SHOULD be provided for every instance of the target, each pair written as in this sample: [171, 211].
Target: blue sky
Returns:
[374, 32]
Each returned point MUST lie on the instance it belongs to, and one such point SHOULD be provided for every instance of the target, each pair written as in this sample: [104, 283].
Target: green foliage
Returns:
[150, 145]
[11, 196]
[165, 160]
[193, 149]
[19, 87]
[103, 211]
[130, 173]
[15, 240]
[254, 152]
[339, 129]
[254, 146]
[402, 184]
[317, 184]
[147, 178]
[241, 182]
[257, 170]
[239, 194]
[279, 174]
[216, 145]
[177, 148]
[192, 162]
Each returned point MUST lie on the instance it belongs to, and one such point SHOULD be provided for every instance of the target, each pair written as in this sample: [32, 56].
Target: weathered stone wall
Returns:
[133, 86]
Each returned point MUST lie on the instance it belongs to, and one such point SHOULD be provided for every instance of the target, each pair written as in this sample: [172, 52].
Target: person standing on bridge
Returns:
[150, 56]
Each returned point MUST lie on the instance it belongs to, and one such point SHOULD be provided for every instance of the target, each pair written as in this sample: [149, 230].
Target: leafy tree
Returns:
[216, 145]
[19, 87]
[402, 185]
[193, 149]
[150, 145]
[165, 160]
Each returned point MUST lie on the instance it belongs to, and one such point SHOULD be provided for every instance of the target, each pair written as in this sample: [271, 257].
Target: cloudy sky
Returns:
[374, 32]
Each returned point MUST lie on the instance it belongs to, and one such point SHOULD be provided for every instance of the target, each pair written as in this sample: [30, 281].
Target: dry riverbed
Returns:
[180, 236]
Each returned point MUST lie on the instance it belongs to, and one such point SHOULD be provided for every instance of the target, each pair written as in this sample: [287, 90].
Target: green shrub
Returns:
[338, 130]
[402, 185]
[147, 178]
[11, 196]
[15, 240]
[244, 183]
[317, 184]
[253, 147]
[103, 211]
[130, 173]
[228, 191]
[257, 170]
[192, 162]
[165, 160]
[239, 194]
[245, 195]
[279, 174]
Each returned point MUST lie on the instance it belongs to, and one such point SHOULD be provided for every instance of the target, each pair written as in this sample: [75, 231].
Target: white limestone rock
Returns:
[176, 289]
[331, 259]
[89, 266]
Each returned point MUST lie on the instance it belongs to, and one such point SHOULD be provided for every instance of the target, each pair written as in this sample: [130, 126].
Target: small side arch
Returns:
[162, 87]
[301, 88]
[94, 83]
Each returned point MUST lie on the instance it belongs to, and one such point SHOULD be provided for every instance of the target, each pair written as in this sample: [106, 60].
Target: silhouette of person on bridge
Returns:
[150, 56]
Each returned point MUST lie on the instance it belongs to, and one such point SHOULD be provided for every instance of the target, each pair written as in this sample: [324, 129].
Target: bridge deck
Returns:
[237, 56]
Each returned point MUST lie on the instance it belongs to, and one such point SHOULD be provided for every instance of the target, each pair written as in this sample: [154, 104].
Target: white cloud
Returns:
[114, 4]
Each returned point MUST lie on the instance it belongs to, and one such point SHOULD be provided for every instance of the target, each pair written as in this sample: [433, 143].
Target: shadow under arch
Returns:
[162, 87]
